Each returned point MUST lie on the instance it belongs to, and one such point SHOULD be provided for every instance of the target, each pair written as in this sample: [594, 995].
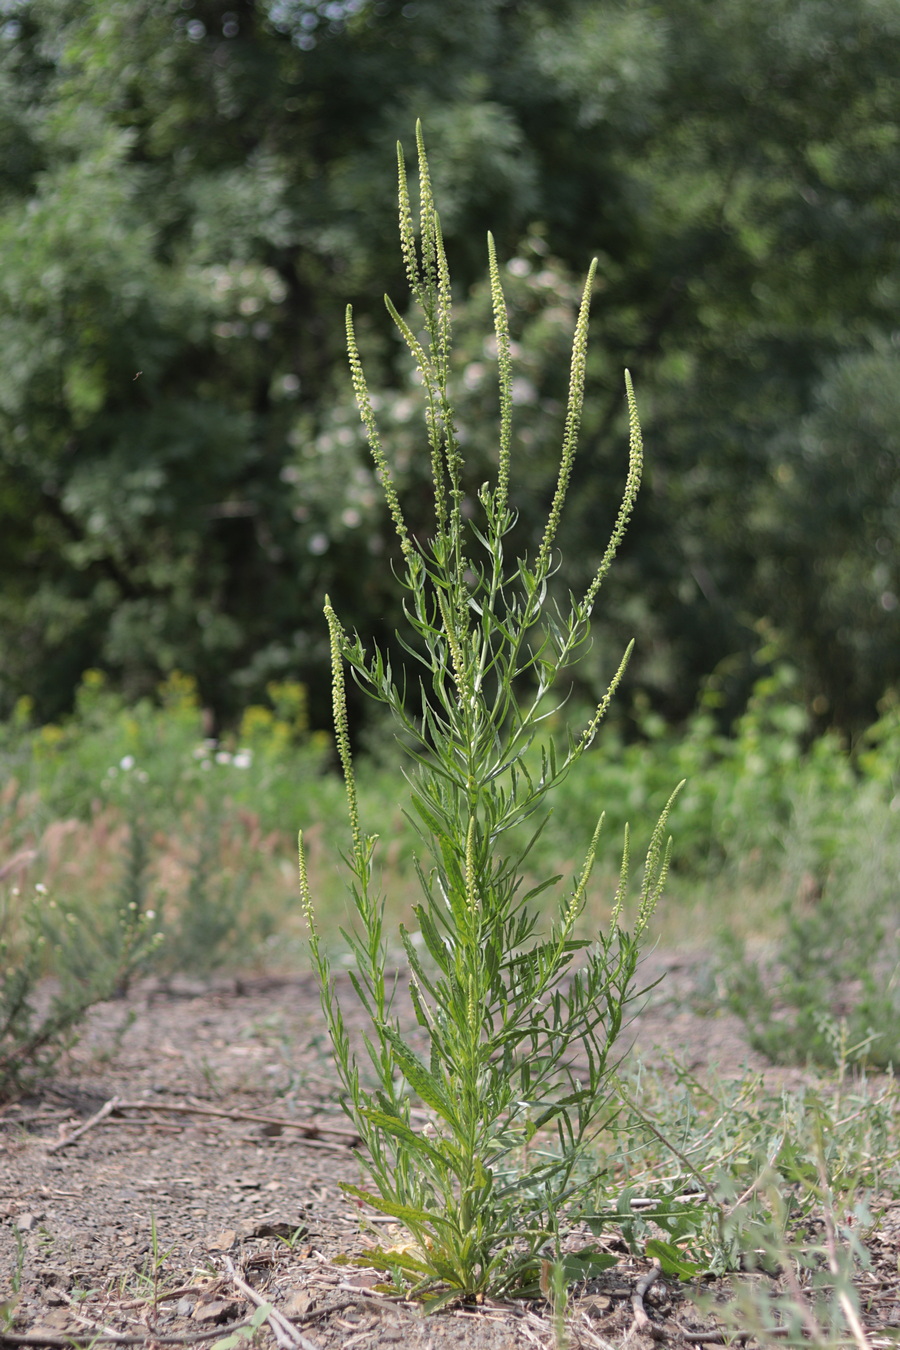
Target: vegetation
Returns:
[511, 1057]
[790, 1185]
[124, 852]
[93, 955]
[796, 833]
[189, 195]
[518, 1019]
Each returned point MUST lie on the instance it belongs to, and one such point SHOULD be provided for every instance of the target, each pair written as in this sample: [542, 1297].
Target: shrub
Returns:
[828, 988]
[91, 953]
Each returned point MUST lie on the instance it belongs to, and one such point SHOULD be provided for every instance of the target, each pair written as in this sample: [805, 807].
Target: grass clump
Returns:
[516, 1025]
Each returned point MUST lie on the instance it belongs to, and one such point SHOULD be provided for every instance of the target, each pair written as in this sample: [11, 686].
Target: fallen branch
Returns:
[720, 1337]
[42, 1117]
[166, 1296]
[313, 1133]
[308, 1130]
[105, 1110]
[641, 1320]
[285, 1333]
[88, 1321]
[71, 1338]
[658, 1331]
[147, 1125]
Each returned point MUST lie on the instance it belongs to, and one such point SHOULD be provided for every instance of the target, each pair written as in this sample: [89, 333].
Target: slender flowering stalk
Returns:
[367, 415]
[632, 487]
[573, 420]
[341, 727]
[504, 373]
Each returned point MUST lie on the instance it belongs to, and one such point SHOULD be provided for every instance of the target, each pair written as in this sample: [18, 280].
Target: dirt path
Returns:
[136, 1226]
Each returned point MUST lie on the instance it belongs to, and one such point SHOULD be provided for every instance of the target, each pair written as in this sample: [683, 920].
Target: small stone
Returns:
[365, 1281]
[298, 1302]
[277, 1228]
[52, 1323]
[219, 1310]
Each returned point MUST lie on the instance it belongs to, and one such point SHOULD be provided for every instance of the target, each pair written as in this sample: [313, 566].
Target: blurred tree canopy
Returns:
[190, 194]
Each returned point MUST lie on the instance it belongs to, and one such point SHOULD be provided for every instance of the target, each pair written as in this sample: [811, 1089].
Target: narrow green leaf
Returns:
[672, 1260]
[415, 1218]
[418, 1077]
[587, 1264]
[383, 1120]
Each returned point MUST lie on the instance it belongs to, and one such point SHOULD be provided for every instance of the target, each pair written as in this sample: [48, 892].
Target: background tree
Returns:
[194, 193]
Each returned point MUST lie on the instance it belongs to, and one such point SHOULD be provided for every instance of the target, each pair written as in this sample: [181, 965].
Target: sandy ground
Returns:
[161, 1220]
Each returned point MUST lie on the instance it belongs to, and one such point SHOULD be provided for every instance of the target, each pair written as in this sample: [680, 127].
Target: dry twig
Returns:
[641, 1320]
[308, 1130]
[105, 1110]
[71, 1341]
[285, 1333]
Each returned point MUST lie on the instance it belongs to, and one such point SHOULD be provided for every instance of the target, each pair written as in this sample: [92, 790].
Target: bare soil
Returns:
[139, 1226]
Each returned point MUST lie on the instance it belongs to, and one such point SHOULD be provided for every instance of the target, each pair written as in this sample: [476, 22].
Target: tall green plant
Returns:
[519, 1023]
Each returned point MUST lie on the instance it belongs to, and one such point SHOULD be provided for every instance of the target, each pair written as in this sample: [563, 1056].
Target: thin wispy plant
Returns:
[518, 1017]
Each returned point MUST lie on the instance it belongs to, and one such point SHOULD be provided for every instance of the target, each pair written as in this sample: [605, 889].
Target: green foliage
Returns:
[155, 754]
[789, 1183]
[185, 193]
[517, 1022]
[831, 989]
[828, 985]
[762, 800]
[244, 1335]
[130, 811]
[769, 812]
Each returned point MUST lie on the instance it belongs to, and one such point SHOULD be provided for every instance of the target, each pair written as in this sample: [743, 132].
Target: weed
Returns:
[9, 1304]
[211, 919]
[153, 1267]
[813, 1298]
[517, 1071]
[293, 1239]
[786, 1187]
[554, 1284]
